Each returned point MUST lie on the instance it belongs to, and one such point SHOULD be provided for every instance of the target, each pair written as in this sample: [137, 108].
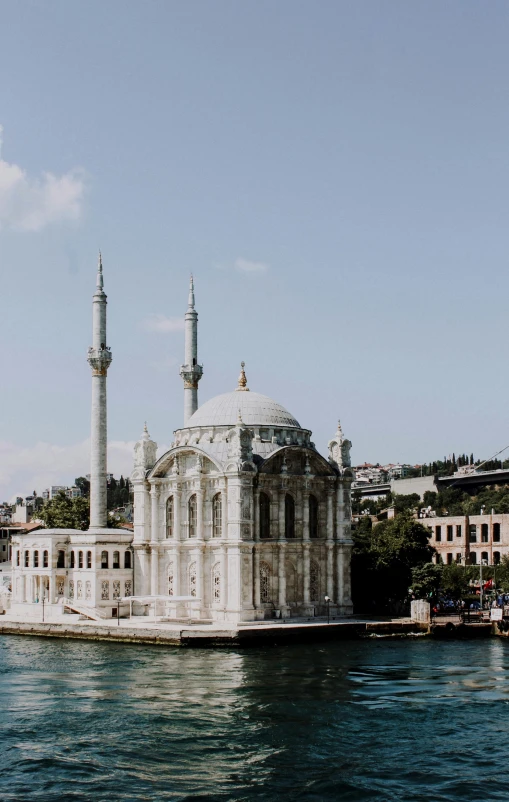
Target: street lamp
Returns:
[327, 602]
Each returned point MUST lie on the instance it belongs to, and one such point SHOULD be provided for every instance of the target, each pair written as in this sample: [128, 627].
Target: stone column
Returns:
[306, 564]
[256, 515]
[282, 577]
[330, 570]
[52, 590]
[224, 578]
[154, 569]
[281, 515]
[176, 515]
[341, 575]
[305, 515]
[199, 514]
[330, 516]
[154, 518]
[256, 576]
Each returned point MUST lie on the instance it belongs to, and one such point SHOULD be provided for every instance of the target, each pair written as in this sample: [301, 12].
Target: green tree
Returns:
[84, 485]
[426, 580]
[406, 503]
[382, 562]
[455, 579]
[62, 512]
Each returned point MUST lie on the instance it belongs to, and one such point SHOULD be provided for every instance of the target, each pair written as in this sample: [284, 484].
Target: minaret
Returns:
[99, 359]
[191, 371]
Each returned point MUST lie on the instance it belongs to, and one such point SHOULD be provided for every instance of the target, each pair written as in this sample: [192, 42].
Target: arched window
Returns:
[484, 557]
[73, 559]
[192, 579]
[89, 559]
[127, 559]
[289, 517]
[192, 510]
[217, 515]
[314, 581]
[265, 583]
[104, 559]
[36, 559]
[61, 559]
[484, 533]
[496, 533]
[496, 558]
[473, 558]
[17, 557]
[170, 516]
[170, 579]
[264, 516]
[216, 583]
[313, 516]
[27, 557]
[116, 559]
[80, 559]
[45, 559]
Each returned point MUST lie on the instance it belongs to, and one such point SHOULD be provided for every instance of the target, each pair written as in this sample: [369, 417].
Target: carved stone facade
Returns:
[244, 515]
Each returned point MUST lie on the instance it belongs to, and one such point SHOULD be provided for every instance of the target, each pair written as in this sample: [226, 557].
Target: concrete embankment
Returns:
[203, 636]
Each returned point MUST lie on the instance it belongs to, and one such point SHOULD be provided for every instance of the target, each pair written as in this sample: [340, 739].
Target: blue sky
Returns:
[334, 174]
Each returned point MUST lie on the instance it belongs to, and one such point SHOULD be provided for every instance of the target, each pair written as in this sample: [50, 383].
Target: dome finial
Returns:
[242, 385]
[146, 435]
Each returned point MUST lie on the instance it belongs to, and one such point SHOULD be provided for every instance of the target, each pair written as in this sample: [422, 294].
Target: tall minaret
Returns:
[191, 372]
[99, 359]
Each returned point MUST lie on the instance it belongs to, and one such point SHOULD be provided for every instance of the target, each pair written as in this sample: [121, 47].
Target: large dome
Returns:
[255, 409]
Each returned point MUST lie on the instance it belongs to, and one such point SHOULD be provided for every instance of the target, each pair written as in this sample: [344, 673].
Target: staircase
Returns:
[93, 613]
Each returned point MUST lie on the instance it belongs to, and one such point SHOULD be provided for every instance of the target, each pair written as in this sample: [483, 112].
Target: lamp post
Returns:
[327, 601]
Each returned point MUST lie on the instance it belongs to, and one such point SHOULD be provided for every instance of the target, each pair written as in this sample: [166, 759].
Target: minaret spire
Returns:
[99, 359]
[191, 371]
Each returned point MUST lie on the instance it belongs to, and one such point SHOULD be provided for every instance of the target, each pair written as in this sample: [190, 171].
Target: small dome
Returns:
[255, 410]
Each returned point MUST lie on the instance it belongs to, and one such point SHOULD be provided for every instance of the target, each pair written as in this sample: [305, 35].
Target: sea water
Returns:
[367, 720]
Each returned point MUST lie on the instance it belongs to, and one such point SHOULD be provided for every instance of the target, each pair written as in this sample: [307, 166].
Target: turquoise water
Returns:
[369, 720]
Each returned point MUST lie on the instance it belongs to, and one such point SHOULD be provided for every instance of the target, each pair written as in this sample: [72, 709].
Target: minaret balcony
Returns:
[191, 374]
[99, 360]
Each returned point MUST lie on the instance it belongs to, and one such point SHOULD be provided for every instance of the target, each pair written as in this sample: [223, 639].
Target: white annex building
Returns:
[241, 520]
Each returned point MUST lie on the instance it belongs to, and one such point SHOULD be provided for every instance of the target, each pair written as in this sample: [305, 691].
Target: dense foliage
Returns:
[382, 562]
[118, 490]
[62, 512]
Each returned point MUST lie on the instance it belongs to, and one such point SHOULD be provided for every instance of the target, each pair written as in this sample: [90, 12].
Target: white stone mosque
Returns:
[241, 520]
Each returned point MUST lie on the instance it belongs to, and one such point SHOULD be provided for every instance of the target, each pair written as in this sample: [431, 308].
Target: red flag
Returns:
[488, 585]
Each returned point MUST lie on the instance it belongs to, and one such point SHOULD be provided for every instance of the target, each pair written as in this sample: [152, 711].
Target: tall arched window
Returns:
[116, 559]
[484, 533]
[80, 559]
[36, 559]
[192, 579]
[127, 559]
[484, 557]
[17, 557]
[473, 558]
[496, 533]
[265, 582]
[61, 559]
[89, 559]
[289, 517]
[73, 559]
[496, 558]
[314, 581]
[27, 557]
[192, 511]
[264, 516]
[45, 559]
[217, 515]
[216, 583]
[104, 559]
[170, 516]
[313, 516]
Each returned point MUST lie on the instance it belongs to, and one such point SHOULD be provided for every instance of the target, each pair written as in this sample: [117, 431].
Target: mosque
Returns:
[241, 520]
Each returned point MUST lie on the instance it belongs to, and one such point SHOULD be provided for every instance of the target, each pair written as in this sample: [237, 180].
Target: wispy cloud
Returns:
[248, 266]
[163, 324]
[30, 204]
[36, 467]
